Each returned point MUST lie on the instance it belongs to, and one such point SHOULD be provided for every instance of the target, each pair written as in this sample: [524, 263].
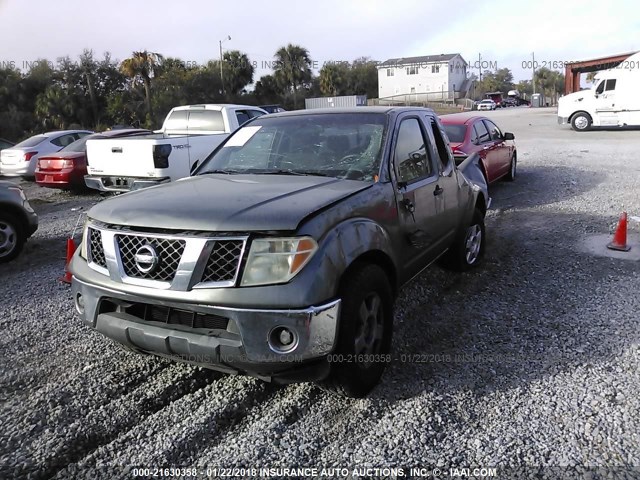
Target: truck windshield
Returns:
[341, 145]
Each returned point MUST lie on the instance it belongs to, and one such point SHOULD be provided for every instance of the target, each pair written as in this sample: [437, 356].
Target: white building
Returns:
[430, 77]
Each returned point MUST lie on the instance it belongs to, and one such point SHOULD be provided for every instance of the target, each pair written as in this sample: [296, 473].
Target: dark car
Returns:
[283, 255]
[477, 134]
[18, 221]
[66, 169]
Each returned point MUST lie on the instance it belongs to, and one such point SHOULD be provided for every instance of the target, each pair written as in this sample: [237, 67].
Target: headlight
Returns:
[277, 260]
[83, 243]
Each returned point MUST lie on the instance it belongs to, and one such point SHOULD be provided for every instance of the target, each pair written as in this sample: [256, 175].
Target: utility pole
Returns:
[533, 64]
[479, 66]
[221, 74]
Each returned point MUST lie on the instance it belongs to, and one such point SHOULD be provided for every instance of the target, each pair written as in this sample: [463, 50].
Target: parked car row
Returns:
[22, 159]
[67, 168]
[120, 151]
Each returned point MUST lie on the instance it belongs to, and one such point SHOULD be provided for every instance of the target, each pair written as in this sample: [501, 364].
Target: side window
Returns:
[410, 154]
[206, 120]
[243, 116]
[443, 151]
[600, 88]
[177, 120]
[611, 84]
[481, 133]
[494, 131]
[64, 140]
[81, 135]
[474, 136]
[255, 113]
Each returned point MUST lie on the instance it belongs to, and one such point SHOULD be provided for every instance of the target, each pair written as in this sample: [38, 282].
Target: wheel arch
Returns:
[580, 111]
[18, 213]
[378, 258]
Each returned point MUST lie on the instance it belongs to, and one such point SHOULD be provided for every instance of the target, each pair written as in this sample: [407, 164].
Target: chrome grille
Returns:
[224, 261]
[96, 250]
[169, 252]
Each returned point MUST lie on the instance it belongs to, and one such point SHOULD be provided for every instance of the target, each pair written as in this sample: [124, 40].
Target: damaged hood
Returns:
[226, 203]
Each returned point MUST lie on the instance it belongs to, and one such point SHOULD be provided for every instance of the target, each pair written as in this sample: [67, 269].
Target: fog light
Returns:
[80, 304]
[282, 340]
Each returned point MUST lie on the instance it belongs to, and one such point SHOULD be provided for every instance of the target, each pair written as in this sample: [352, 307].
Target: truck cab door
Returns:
[605, 102]
[447, 196]
[416, 186]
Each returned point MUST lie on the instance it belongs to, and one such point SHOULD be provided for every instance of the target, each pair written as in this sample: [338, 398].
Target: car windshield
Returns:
[344, 145]
[31, 141]
[486, 101]
[455, 133]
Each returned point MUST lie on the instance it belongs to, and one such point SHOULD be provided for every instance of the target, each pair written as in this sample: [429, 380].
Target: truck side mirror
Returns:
[508, 136]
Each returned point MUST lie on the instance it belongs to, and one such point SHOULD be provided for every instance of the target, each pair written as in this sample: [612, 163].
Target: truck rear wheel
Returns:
[364, 334]
[581, 122]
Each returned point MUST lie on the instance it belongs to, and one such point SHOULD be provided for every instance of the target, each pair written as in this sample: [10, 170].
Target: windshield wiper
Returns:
[227, 172]
[290, 172]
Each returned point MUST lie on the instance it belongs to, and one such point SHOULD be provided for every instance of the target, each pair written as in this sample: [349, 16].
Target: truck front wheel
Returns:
[12, 237]
[364, 334]
[581, 122]
[467, 250]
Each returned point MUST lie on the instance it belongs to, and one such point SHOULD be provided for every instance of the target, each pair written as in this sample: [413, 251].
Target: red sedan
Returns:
[66, 168]
[497, 150]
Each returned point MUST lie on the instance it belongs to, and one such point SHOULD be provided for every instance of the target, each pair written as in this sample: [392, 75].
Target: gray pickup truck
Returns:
[282, 256]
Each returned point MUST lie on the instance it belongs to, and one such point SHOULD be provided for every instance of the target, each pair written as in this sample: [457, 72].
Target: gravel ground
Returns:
[530, 361]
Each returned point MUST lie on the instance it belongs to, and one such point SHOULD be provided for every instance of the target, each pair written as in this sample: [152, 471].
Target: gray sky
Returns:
[504, 32]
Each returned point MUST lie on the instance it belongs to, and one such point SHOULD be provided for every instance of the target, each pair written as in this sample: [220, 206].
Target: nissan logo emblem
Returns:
[146, 259]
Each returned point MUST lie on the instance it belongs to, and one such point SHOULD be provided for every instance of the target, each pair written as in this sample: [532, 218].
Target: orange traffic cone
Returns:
[619, 241]
[71, 249]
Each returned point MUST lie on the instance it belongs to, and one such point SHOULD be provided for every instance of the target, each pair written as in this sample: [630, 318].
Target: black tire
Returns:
[363, 343]
[465, 253]
[581, 122]
[12, 237]
[511, 176]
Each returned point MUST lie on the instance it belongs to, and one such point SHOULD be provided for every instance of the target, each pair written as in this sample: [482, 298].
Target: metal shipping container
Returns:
[328, 102]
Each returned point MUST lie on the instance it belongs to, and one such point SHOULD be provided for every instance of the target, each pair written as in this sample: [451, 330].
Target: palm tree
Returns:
[238, 71]
[334, 78]
[54, 107]
[293, 68]
[89, 67]
[143, 66]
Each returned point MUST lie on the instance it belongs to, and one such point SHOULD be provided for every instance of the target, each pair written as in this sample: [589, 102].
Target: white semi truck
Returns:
[613, 101]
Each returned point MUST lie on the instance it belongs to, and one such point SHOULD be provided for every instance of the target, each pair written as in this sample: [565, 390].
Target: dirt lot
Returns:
[531, 361]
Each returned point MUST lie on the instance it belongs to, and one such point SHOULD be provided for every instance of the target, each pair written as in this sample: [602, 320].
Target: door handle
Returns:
[438, 191]
[408, 204]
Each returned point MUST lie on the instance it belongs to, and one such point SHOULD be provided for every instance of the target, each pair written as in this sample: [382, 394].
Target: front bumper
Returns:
[246, 345]
[121, 184]
[563, 120]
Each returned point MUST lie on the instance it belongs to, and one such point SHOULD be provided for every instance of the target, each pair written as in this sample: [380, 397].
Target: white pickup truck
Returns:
[189, 134]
